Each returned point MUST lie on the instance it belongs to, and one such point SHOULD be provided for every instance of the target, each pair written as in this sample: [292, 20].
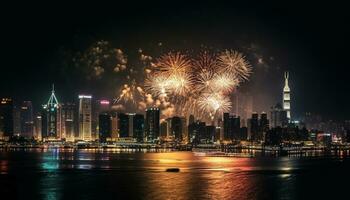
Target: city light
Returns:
[104, 102]
[85, 96]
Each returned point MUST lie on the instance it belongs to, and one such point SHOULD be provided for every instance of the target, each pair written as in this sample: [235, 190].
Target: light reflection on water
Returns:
[86, 174]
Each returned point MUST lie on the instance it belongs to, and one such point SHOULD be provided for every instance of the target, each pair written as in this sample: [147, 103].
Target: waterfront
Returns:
[90, 174]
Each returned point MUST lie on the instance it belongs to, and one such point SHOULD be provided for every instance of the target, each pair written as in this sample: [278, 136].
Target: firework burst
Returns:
[214, 103]
[234, 63]
[173, 64]
[130, 93]
[183, 85]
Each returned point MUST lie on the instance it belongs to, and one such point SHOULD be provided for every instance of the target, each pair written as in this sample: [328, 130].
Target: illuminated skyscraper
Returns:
[124, 126]
[98, 107]
[138, 123]
[226, 123]
[253, 127]
[176, 128]
[26, 116]
[264, 122]
[105, 126]
[286, 95]
[68, 118]
[16, 120]
[278, 117]
[51, 118]
[37, 127]
[85, 117]
[6, 118]
[152, 123]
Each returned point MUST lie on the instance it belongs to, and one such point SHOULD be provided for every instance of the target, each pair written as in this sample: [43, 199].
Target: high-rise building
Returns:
[209, 134]
[226, 124]
[16, 120]
[26, 116]
[131, 124]
[68, 119]
[195, 131]
[138, 127]
[278, 116]
[98, 107]
[37, 127]
[51, 119]
[263, 125]
[176, 128]
[126, 125]
[217, 133]
[123, 125]
[220, 128]
[253, 127]
[286, 96]
[115, 133]
[164, 129]
[6, 118]
[152, 123]
[234, 127]
[105, 126]
[264, 122]
[184, 128]
[85, 117]
[231, 129]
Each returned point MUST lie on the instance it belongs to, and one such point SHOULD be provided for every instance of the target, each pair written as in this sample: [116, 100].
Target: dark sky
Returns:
[308, 39]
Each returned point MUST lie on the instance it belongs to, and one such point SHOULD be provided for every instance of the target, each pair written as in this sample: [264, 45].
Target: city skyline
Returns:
[93, 119]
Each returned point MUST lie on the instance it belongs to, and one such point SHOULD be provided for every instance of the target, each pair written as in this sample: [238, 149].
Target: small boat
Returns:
[172, 170]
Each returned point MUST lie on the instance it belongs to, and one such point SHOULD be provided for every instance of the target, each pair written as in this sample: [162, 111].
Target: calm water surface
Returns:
[84, 174]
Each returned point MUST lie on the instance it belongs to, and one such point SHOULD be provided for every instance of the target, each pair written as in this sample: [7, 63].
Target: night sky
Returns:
[309, 40]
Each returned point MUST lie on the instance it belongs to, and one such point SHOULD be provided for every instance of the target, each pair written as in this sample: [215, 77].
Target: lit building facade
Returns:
[152, 123]
[26, 119]
[138, 124]
[176, 128]
[51, 118]
[6, 118]
[16, 120]
[100, 106]
[68, 119]
[286, 96]
[37, 127]
[253, 127]
[278, 116]
[105, 126]
[85, 117]
[124, 125]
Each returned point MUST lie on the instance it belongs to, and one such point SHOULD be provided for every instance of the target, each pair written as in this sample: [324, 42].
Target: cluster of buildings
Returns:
[91, 120]
[86, 120]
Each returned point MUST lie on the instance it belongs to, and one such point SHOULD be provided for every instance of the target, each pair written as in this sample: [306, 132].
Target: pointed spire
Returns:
[286, 75]
[286, 85]
[52, 100]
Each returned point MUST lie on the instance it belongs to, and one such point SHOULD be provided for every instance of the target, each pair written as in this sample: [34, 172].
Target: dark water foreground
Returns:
[83, 174]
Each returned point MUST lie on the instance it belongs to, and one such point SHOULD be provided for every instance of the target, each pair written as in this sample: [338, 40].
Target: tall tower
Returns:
[152, 123]
[51, 118]
[286, 95]
[26, 116]
[6, 118]
[85, 117]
